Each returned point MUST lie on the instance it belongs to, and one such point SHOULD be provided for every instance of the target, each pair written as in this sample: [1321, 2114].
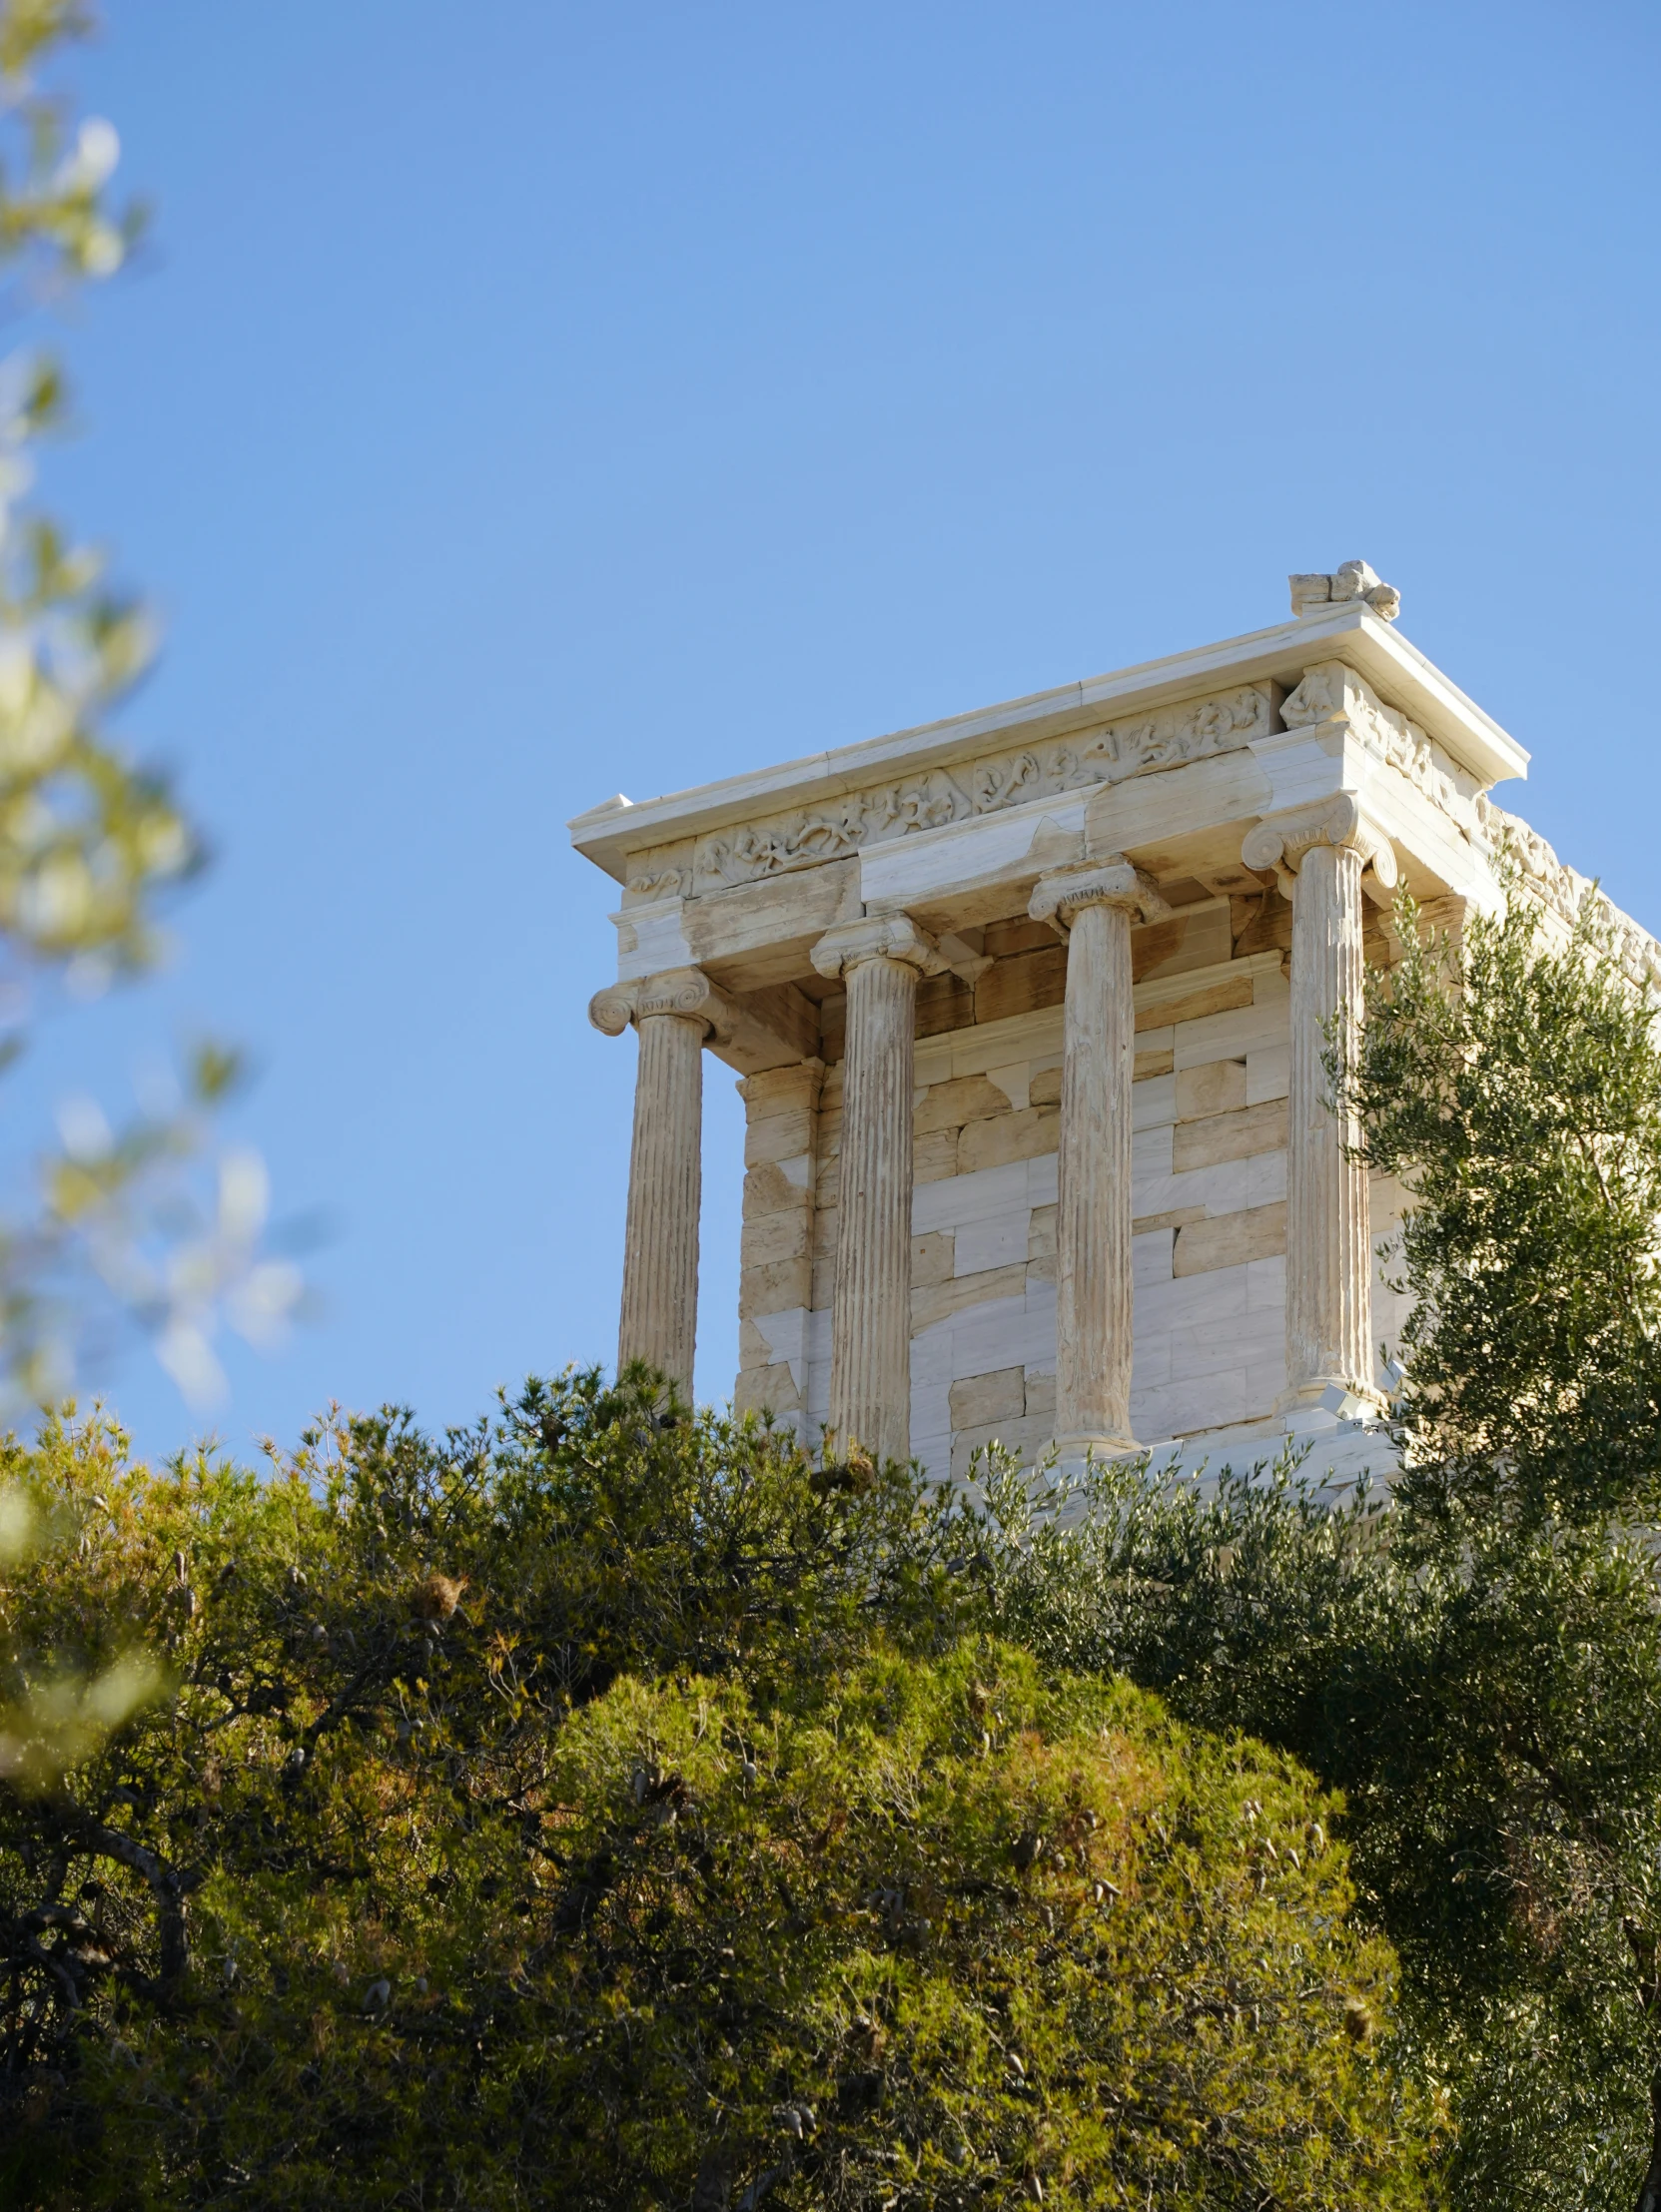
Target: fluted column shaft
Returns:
[1093, 1214]
[1094, 905]
[659, 1318]
[673, 1012]
[870, 1390]
[1328, 1241]
[881, 960]
[1320, 854]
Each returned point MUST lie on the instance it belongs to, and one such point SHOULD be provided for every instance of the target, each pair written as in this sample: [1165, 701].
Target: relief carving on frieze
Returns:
[1331, 692]
[1563, 891]
[1169, 738]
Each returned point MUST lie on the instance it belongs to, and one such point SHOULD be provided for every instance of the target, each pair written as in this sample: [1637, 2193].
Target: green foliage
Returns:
[1478, 1668]
[598, 1807]
[1491, 1711]
[1512, 1081]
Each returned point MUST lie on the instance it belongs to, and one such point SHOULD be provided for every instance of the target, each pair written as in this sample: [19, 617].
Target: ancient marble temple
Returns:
[1029, 1010]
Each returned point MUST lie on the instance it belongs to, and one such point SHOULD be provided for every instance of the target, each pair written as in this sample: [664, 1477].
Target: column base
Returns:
[1072, 1451]
[1325, 1400]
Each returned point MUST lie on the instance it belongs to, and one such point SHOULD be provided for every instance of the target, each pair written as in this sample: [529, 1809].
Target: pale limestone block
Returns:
[984, 1398]
[1152, 1041]
[772, 1187]
[1232, 1184]
[935, 1157]
[932, 1303]
[1232, 1036]
[779, 1136]
[1231, 1239]
[1145, 1224]
[772, 925]
[1042, 1270]
[948, 1105]
[830, 1132]
[1028, 1036]
[1154, 1101]
[1157, 1063]
[1041, 1233]
[933, 1258]
[766, 1389]
[1179, 802]
[1043, 1178]
[1266, 1283]
[1041, 1394]
[1217, 1299]
[1227, 994]
[959, 1199]
[1224, 1136]
[1267, 1073]
[1216, 1401]
[825, 1222]
[949, 865]
[1012, 1136]
[774, 1288]
[1152, 1350]
[1151, 1254]
[1013, 1079]
[652, 937]
[1043, 1087]
[774, 1090]
[1258, 1341]
[995, 1240]
[753, 1347]
[774, 1236]
[931, 1358]
[1025, 1437]
[822, 1282]
[786, 1336]
[933, 1062]
[1215, 1087]
[827, 1186]
[1004, 1330]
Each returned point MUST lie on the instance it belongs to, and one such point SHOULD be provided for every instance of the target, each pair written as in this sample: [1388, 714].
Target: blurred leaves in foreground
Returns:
[145, 1227]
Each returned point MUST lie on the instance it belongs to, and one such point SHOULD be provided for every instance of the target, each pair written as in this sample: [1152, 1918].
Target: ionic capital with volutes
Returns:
[878, 937]
[1114, 881]
[1280, 841]
[685, 992]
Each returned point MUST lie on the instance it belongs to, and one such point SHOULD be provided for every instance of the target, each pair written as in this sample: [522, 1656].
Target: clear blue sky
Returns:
[531, 401]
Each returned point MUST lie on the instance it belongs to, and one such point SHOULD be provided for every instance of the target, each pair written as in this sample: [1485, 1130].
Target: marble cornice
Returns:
[1141, 745]
[619, 834]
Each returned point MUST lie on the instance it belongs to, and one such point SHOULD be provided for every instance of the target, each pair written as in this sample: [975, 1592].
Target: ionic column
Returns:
[1320, 854]
[881, 962]
[1093, 905]
[672, 1013]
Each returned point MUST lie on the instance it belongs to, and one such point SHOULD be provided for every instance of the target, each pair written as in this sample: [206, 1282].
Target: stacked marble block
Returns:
[1186, 1256]
[1209, 1188]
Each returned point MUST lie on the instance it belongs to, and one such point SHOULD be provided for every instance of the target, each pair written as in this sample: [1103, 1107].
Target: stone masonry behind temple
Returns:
[1029, 1009]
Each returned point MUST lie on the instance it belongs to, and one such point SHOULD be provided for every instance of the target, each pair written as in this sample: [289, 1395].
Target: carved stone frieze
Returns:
[935, 797]
[1331, 692]
[648, 879]
[1563, 891]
